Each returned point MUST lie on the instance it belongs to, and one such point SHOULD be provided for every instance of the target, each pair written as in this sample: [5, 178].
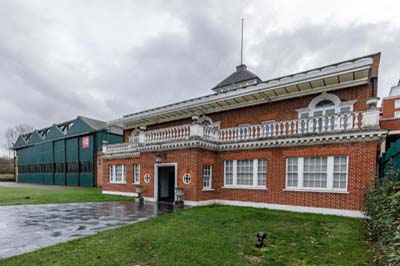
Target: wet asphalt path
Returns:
[25, 228]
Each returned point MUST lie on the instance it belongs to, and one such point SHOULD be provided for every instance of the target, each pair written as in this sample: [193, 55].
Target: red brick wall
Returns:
[393, 124]
[188, 162]
[388, 107]
[387, 119]
[362, 169]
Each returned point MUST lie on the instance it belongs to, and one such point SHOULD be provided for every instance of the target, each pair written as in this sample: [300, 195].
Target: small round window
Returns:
[146, 178]
[187, 179]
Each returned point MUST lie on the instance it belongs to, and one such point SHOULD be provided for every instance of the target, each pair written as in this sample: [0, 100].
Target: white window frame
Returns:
[338, 105]
[136, 174]
[397, 104]
[397, 114]
[255, 175]
[187, 178]
[113, 174]
[347, 173]
[330, 174]
[209, 187]
[147, 178]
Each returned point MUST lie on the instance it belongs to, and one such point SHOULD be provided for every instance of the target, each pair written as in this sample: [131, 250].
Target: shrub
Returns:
[384, 225]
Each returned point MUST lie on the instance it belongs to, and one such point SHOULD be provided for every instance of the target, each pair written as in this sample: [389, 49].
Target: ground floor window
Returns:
[246, 173]
[207, 176]
[317, 173]
[117, 173]
[136, 173]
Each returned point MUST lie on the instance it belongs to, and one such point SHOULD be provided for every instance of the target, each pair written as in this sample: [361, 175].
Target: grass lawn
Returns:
[216, 235]
[15, 196]
[7, 177]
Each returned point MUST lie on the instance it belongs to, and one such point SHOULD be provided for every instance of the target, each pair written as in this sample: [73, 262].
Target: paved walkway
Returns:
[27, 185]
[29, 227]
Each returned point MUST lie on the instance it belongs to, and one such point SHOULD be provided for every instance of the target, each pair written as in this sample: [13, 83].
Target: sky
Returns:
[103, 59]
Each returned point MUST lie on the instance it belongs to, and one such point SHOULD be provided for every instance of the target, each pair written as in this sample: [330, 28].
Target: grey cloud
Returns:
[106, 81]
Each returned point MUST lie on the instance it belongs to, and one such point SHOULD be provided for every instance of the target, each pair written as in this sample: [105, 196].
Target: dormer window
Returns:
[325, 104]
[324, 107]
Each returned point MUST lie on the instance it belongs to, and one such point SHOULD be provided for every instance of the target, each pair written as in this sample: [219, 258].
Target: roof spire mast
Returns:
[241, 46]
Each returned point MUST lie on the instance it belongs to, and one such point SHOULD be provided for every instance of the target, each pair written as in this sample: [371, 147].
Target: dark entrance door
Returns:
[166, 183]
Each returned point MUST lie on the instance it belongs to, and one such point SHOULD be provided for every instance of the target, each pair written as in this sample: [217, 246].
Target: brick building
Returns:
[390, 115]
[303, 142]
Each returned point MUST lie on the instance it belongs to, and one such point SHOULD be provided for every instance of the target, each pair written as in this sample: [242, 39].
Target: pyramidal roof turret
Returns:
[238, 79]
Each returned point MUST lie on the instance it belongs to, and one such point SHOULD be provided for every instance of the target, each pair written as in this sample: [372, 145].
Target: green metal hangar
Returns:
[67, 153]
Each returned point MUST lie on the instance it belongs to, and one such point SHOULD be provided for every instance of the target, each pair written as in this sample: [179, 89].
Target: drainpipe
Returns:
[374, 82]
[372, 101]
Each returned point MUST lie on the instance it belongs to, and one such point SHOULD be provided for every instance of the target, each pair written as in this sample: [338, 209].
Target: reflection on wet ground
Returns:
[29, 227]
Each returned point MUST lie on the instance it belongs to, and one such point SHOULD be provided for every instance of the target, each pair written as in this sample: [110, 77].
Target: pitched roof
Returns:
[93, 123]
[54, 132]
[69, 128]
[395, 90]
[240, 75]
[35, 137]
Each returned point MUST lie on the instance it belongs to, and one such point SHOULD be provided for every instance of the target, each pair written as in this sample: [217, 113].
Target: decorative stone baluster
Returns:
[356, 120]
[351, 121]
[277, 130]
[323, 125]
[282, 125]
[329, 124]
[310, 123]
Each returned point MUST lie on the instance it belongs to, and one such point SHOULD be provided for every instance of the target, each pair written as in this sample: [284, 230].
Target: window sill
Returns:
[208, 189]
[316, 190]
[135, 184]
[117, 183]
[244, 187]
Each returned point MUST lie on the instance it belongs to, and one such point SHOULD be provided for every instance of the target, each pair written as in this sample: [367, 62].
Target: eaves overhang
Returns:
[333, 77]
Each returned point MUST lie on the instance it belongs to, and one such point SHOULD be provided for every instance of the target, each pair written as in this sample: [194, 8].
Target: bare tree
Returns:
[12, 134]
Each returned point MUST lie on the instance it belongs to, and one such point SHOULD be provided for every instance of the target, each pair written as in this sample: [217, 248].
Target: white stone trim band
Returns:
[292, 208]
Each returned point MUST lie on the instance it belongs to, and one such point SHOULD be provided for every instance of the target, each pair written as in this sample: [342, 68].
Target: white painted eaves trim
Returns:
[359, 65]
[223, 97]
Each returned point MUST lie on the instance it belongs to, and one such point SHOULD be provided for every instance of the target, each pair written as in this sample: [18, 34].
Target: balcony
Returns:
[341, 123]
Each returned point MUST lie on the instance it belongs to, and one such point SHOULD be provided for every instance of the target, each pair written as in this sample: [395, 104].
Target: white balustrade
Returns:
[294, 128]
[167, 134]
[327, 124]
[115, 148]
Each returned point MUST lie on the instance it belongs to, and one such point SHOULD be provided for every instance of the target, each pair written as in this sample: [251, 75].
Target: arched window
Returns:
[324, 107]
[134, 137]
[325, 104]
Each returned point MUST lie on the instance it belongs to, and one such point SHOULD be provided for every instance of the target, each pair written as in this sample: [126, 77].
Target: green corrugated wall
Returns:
[59, 161]
[62, 161]
[71, 158]
[86, 159]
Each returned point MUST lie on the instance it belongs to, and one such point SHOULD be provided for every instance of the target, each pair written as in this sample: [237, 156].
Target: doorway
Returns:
[166, 183]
